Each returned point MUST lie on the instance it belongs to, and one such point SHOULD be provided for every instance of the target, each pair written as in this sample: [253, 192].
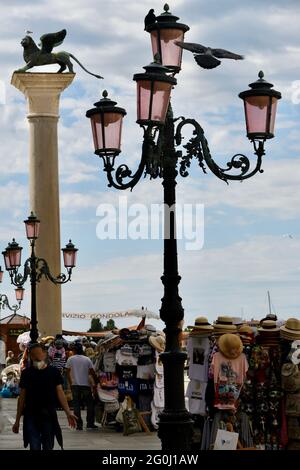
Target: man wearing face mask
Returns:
[40, 391]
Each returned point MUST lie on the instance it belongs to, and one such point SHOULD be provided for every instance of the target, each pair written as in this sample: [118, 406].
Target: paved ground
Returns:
[103, 438]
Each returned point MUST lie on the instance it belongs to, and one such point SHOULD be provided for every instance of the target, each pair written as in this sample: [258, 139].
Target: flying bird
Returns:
[206, 57]
[28, 32]
[150, 18]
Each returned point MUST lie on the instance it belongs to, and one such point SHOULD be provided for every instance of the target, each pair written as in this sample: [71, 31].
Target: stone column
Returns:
[42, 91]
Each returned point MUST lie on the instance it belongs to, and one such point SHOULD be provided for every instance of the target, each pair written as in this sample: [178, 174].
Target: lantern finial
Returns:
[104, 94]
[261, 74]
[166, 7]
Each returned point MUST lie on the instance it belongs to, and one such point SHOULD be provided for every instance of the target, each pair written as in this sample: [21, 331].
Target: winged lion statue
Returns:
[43, 55]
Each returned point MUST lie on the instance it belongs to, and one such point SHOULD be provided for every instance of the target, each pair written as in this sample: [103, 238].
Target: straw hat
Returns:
[158, 343]
[224, 325]
[291, 329]
[246, 334]
[268, 327]
[230, 345]
[201, 323]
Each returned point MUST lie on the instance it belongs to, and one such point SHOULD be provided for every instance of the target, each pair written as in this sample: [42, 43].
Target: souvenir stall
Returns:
[222, 389]
[130, 373]
[290, 381]
[245, 381]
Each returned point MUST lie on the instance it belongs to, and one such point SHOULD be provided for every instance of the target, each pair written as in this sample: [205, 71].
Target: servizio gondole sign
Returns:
[107, 316]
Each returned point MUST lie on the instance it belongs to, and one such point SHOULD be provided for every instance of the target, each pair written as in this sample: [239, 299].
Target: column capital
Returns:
[42, 91]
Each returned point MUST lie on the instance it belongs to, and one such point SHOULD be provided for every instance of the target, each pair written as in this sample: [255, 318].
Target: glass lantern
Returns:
[153, 94]
[164, 33]
[106, 121]
[260, 103]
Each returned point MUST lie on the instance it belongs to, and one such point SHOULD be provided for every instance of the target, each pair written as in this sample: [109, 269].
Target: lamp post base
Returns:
[175, 431]
[175, 422]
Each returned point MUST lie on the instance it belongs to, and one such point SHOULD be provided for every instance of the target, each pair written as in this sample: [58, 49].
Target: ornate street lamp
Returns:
[164, 156]
[35, 268]
[164, 32]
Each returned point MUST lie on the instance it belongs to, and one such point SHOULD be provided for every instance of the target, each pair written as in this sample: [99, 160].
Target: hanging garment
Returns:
[229, 376]
[109, 361]
[155, 415]
[146, 372]
[198, 351]
[159, 397]
[196, 395]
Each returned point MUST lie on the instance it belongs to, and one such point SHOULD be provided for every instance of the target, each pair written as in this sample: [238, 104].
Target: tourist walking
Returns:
[80, 373]
[40, 391]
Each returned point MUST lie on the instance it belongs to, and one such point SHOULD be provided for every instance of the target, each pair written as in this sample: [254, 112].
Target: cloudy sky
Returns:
[246, 249]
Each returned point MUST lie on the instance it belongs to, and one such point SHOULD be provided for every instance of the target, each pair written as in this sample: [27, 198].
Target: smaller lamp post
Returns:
[4, 302]
[35, 268]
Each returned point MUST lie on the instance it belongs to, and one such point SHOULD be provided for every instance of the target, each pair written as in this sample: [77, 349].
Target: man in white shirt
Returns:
[79, 372]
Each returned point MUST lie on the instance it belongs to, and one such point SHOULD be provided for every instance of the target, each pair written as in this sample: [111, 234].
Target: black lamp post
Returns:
[162, 158]
[35, 268]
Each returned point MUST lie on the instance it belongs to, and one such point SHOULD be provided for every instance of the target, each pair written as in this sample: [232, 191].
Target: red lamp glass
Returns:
[260, 103]
[12, 255]
[106, 121]
[153, 93]
[19, 294]
[70, 254]
[1, 274]
[32, 225]
[164, 32]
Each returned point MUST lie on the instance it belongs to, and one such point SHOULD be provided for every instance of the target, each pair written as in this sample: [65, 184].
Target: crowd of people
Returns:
[243, 377]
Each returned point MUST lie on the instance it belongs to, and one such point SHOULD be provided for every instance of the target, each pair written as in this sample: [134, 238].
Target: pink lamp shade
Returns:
[1, 274]
[6, 260]
[260, 104]
[13, 253]
[153, 93]
[260, 112]
[19, 294]
[163, 42]
[106, 121]
[107, 131]
[70, 255]
[164, 32]
[153, 100]
[32, 225]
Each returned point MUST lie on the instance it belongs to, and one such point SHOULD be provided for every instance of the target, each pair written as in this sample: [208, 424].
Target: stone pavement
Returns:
[101, 439]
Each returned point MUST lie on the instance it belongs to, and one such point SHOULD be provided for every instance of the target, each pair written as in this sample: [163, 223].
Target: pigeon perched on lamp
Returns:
[207, 57]
[150, 18]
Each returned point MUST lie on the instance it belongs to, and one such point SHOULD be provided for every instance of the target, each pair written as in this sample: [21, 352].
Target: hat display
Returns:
[158, 343]
[268, 333]
[224, 325]
[230, 345]
[201, 327]
[291, 329]
[268, 327]
[246, 334]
